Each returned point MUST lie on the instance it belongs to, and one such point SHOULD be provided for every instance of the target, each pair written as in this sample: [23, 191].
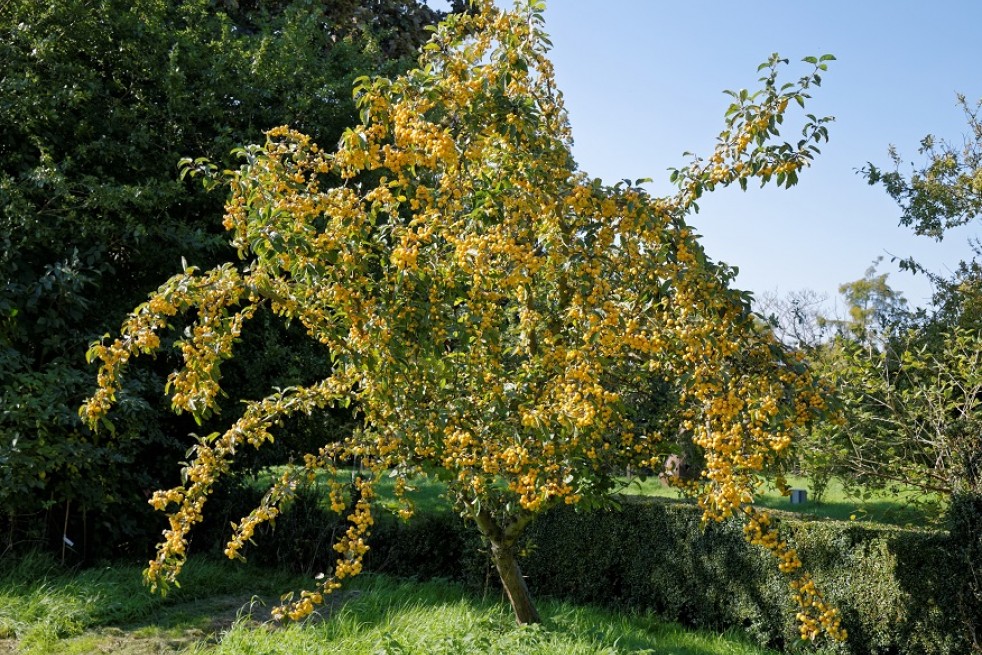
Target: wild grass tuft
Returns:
[42, 604]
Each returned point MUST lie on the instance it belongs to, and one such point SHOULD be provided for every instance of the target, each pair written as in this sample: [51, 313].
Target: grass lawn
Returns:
[215, 612]
[837, 503]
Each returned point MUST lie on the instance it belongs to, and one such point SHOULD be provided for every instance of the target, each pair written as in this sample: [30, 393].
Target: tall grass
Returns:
[42, 604]
[107, 610]
[38, 612]
[382, 616]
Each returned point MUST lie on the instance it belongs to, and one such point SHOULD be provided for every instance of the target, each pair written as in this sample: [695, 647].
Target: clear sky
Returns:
[643, 82]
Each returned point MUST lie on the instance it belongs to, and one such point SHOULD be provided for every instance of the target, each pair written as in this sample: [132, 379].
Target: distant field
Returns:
[837, 503]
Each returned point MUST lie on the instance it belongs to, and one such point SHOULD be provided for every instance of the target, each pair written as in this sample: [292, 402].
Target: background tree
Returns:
[98, 103]
[945, 192]
[798, 318]
[909, 414]
[909, 381]
[488, 308]
[874, 310]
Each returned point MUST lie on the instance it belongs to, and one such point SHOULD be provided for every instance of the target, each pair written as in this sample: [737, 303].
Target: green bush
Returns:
[299, 540]
[655, 555]
[965, 525]
[431, 545]
[434, 545]
[894, 586]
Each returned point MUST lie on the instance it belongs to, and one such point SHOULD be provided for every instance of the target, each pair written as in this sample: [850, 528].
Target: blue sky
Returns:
[643, 82]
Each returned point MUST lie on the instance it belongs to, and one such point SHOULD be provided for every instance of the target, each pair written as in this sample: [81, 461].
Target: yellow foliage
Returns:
[490, 309]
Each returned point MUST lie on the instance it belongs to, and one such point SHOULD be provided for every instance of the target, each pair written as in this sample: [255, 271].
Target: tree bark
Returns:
[511, 578]
[503, 543]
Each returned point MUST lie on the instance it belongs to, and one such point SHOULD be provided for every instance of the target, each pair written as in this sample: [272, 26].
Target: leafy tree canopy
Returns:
[99, 100]
[489, 309]
[909, 382]
[946, 191]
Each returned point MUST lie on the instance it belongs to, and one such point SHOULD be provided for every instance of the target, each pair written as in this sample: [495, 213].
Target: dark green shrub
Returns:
[430, 545]
[300, 538]
[965, 525]
[436, 545]
[895, 587]
[657, 557]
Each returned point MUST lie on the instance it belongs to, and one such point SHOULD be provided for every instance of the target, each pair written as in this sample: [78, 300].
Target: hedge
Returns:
[896, 588]
[900, 591]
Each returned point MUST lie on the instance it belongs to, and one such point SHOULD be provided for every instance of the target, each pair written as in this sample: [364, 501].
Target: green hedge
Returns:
[895, 587]
[900, 591]
[431, 545]
[965, 523]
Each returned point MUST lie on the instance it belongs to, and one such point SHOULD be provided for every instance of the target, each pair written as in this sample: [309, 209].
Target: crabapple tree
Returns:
[491, 311]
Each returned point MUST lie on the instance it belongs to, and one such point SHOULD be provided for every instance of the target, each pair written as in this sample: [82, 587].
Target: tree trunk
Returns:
[514, 584]
[503, 542]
